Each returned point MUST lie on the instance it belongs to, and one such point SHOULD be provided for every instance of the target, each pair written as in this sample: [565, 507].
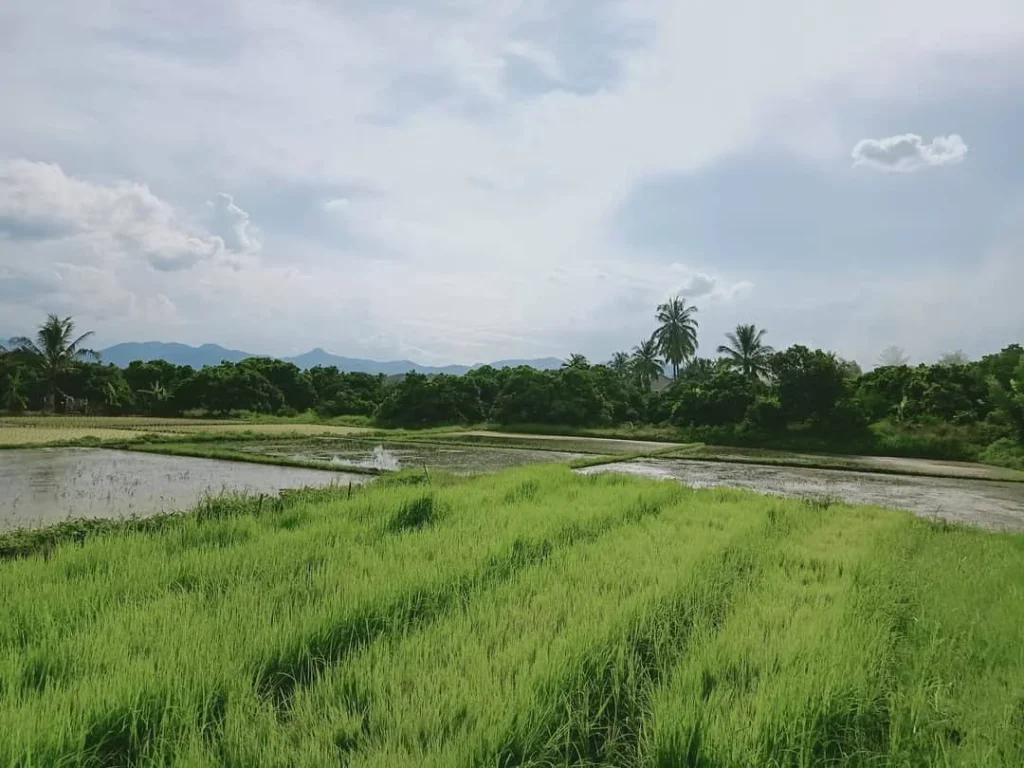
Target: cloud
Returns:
[232, 225]
[908, 152]
[40, 203]
[480, 146]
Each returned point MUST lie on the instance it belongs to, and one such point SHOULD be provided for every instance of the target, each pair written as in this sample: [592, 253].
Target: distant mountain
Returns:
[359, 365]
[212, 354]
[179, 354]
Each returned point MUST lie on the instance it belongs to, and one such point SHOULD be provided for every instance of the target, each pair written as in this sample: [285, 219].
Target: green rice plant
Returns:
[535, 617]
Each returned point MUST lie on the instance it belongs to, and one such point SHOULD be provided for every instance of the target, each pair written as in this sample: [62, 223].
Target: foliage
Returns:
[56, 351]
[645, 363]
[533, 617]
[724, 398]
[676, 335]
[1009, 400]
[748, 353]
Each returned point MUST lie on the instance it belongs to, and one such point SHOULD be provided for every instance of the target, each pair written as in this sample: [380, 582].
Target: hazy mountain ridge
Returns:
[213, 354]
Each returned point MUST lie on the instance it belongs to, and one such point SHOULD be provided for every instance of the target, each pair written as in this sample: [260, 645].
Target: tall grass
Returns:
[535, 617]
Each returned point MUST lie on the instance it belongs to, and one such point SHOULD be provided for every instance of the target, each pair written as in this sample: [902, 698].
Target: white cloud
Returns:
[469, 192]
[909, 152]
[232, 225]
[39, 202]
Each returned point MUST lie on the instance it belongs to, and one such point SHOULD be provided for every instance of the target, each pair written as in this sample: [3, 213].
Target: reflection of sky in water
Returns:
[46, 486]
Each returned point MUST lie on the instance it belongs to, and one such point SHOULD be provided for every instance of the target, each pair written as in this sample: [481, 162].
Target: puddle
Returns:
[462, 460]
[993, 505]
[41, 487]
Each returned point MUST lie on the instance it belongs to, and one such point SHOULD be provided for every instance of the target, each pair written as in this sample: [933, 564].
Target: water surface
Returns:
[458, 459]
[994, 505]
[41, 487]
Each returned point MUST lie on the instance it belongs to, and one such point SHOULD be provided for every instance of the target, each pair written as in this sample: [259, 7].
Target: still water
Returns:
[41, 487]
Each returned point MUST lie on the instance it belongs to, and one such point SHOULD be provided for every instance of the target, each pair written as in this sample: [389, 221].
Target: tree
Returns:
[56, 350]
[748, 353]
[953, 358]
[810, 384]
[1009, 400]
[576, 360]
[620, 363]
[677, 334]
[645, 363]
[15, 397]
[892, 355]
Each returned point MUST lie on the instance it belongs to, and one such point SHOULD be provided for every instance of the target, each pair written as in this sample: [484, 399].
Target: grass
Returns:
[533, 617]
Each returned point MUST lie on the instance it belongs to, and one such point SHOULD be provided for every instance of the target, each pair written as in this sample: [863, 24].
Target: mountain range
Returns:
[213, 354]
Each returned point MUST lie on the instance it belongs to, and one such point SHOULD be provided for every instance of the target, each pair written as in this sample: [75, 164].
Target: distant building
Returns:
[660, 384]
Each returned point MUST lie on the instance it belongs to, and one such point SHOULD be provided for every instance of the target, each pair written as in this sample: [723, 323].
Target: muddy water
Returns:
[993, 505]
[40, 487]
[463, 460]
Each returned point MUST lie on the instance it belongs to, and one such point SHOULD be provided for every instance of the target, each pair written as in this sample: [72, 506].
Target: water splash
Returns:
[384, 459]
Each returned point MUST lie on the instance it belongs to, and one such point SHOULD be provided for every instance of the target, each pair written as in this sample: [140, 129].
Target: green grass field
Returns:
[529, 618]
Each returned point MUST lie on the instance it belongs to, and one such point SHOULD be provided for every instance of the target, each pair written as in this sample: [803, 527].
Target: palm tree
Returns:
[747, 353]
[892, 355]
[677, 334]
[576, 360]
[56, 350]
[620, 363]
[15, 399]
[645, 363]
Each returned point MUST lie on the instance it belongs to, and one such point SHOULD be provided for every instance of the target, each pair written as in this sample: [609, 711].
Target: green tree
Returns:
[1009, 400]
[15, 395]
[620, 363]
[810, 385]
[953, 358]
[646, 364]
[747, 352]
[677, 334]
[56, 350]
[576, 360]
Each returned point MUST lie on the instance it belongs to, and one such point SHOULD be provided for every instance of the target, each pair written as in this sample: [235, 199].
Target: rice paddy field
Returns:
[23, 431]
[533, 617]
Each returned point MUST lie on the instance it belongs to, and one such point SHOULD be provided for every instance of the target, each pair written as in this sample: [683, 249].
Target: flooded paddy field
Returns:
[394, 456]
[987, 504]
[42, 487]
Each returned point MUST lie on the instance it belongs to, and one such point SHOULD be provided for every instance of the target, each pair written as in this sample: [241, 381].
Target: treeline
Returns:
[751, 394]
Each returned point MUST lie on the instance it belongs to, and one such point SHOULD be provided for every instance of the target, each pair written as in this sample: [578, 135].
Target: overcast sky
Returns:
[456, 181]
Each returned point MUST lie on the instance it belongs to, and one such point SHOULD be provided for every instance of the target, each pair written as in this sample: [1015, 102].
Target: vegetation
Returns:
[748, 353]
[794, 399]
[55, 352]
[677, 335]
[533, 617]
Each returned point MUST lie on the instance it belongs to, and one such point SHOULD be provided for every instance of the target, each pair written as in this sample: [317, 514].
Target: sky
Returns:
[452, 182]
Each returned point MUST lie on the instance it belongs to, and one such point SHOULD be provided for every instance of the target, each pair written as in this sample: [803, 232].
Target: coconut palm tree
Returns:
[645, 363]
[56, 350]
[620, 363]
[576, 360]
[677, 334]
[892, 355]
[747, 352]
